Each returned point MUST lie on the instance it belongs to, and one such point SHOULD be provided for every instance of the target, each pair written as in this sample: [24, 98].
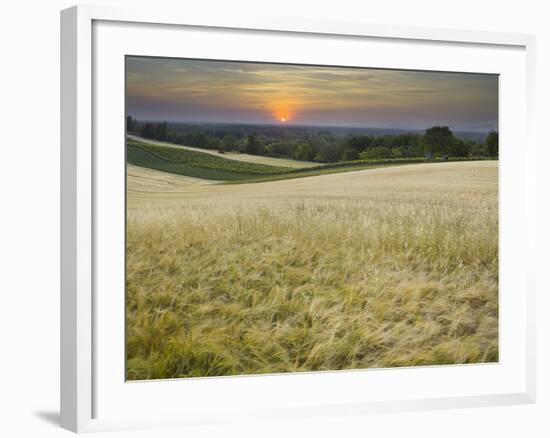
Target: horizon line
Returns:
[313, 125]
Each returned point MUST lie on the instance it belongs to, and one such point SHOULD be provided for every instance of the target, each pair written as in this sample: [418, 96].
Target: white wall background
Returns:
[29, 216]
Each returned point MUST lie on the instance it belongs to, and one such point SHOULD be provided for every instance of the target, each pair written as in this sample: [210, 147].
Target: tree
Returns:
[376, 153]
[161, 129]
[327, 154]
[280, 149]
[215, 143]
[130, 124]
[229, 142]
[158, 131]
[147, 130]
[350, 155]
[359, 143]
[438, 140]
[460, 148]
[491, 143]
[304, 152]
[195, 138]
[252, 145]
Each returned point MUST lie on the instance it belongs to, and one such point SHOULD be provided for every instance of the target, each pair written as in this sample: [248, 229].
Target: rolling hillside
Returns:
[212, 166]
[195, 164]
[237, 156]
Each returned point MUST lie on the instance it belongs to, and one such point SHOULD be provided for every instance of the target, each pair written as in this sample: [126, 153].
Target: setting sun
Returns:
[281, 112]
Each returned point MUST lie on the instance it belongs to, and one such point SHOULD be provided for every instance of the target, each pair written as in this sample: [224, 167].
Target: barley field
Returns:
[388, 267]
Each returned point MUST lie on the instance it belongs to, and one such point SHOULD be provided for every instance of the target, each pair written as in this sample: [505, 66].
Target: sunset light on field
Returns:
[293, 218]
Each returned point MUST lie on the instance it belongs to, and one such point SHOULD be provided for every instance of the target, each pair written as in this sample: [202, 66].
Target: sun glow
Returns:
[281, 112]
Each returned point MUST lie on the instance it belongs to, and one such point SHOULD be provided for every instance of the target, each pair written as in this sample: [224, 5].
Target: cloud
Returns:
[238, 91]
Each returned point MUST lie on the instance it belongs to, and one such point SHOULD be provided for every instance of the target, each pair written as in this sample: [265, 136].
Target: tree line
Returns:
[323, 146]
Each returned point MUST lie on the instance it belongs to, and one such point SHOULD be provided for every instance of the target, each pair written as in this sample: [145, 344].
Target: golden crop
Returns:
[387, 267]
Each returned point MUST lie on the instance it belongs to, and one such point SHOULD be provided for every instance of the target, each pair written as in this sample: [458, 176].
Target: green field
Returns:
[196, 164]
[187, 162]
[232, 155]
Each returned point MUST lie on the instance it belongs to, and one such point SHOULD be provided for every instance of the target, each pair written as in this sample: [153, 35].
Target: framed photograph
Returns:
[282, 219]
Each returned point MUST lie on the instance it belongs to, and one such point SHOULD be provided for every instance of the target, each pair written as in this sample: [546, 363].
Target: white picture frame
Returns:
[84, 321]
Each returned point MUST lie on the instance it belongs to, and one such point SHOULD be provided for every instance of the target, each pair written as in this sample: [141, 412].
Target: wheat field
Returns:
[387, 267]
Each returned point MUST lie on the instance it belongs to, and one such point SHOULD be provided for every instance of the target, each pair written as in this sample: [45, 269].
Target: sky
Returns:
[189, 90]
